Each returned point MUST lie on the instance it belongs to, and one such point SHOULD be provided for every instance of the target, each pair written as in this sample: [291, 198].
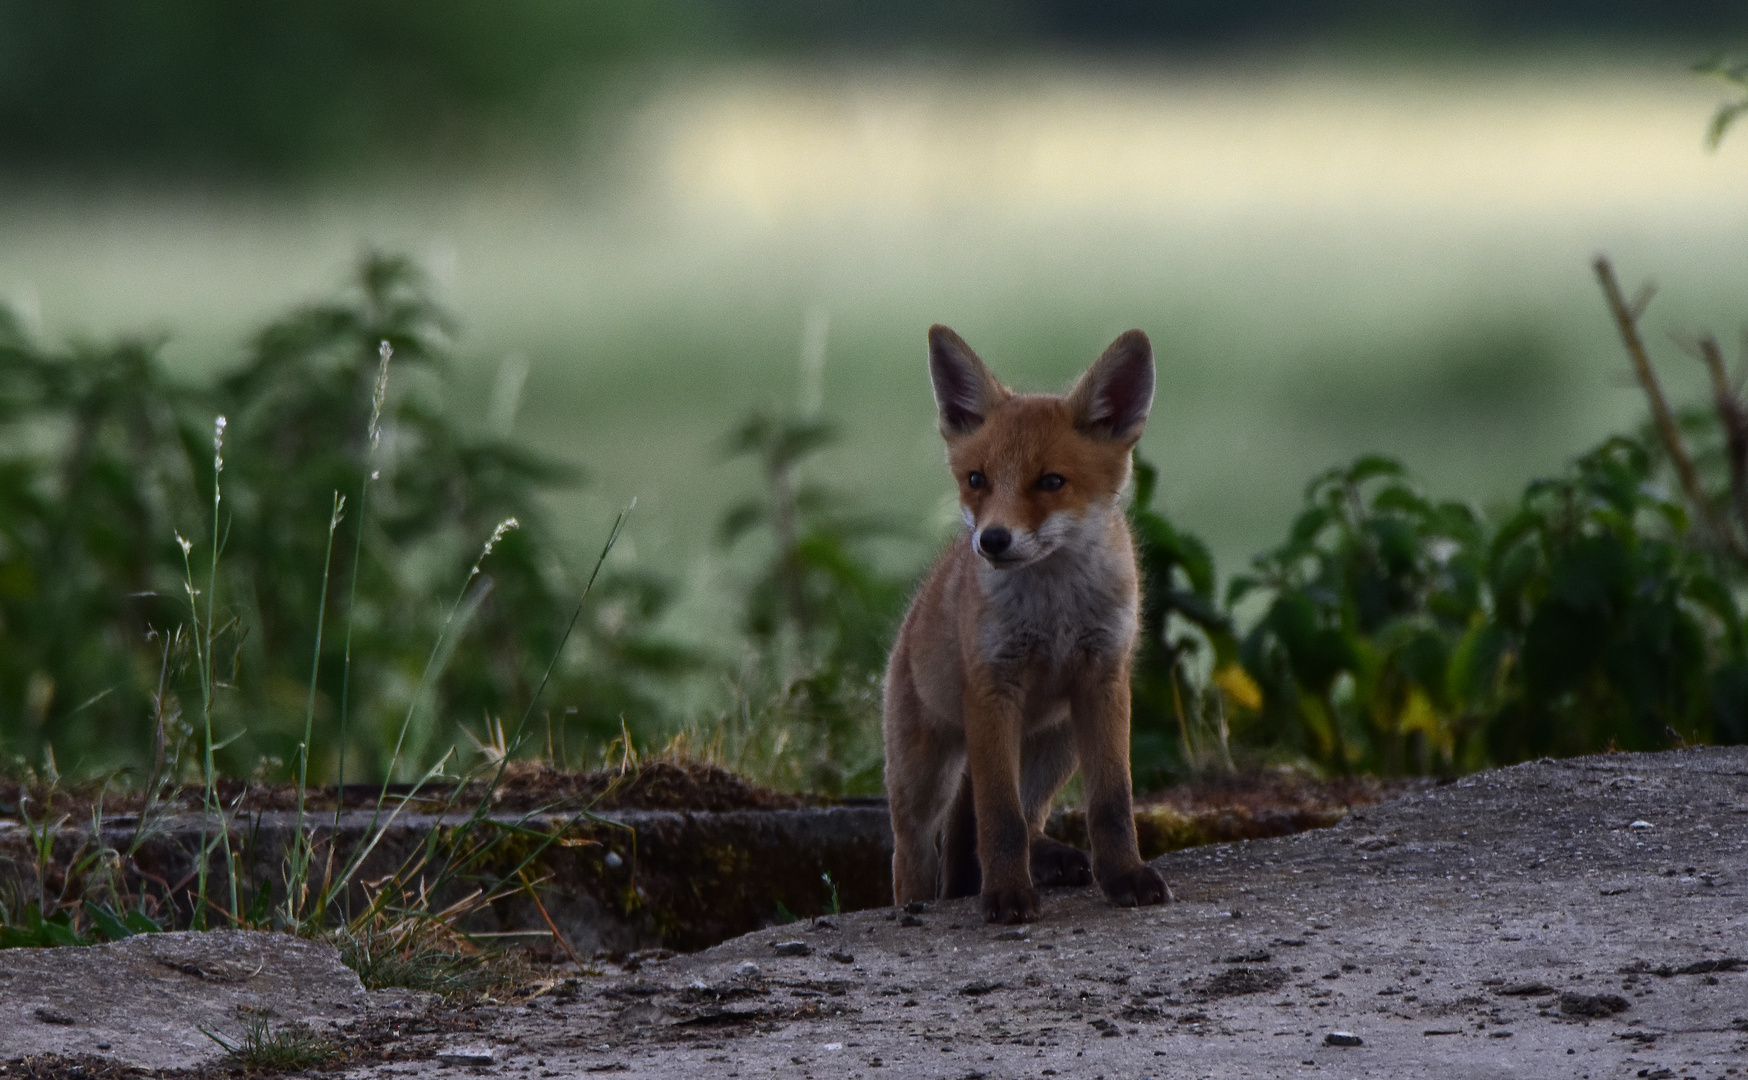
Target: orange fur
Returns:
[1012, 666]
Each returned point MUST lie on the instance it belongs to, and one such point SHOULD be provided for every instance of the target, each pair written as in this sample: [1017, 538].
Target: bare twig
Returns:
[1626, 316]
[1734, 419]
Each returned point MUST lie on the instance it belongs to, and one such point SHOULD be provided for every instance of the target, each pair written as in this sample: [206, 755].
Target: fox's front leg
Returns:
[992, 746]
[1099, 711]
[924, 762]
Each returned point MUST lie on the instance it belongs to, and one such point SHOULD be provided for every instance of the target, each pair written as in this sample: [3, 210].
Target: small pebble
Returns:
[792, 948]
[466, 1055]
[1342, 1038]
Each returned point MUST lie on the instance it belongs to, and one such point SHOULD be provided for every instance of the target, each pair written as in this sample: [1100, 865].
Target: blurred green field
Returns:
[1329, 261]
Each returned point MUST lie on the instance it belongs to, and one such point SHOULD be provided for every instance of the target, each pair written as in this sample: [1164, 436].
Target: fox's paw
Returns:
[1056, 863]
[1010, 905]
[1134, 887]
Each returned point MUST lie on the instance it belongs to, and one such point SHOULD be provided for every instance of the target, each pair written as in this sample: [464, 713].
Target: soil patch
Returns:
[525, 786]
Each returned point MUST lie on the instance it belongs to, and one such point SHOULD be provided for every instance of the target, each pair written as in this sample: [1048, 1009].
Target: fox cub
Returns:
[1012, 666]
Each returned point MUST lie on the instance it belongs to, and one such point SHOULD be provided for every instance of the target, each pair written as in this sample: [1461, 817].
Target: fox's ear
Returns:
[964, 388]
[1113, 398]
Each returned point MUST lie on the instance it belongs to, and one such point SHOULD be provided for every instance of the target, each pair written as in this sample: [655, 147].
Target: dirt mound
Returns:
[654, 785]
[661, 784]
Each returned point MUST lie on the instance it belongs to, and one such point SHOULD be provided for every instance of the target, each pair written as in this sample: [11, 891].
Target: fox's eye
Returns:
[976, 481]
[1051, 482]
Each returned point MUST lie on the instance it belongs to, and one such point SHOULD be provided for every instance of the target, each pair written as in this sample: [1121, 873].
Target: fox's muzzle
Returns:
[994, 540]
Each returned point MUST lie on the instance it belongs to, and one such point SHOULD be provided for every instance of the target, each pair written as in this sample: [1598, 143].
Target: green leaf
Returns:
[58, 929]
[1198, 610]
[1400, 498]
[260, 906]
[739, 520]
[1240, 587]
[140, 923]
[106, 924]
[1374, 465]
[1308, 524]
[1722, 120]
[1198, 564]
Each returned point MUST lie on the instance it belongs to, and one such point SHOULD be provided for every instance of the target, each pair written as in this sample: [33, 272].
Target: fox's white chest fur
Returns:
[1077, 604]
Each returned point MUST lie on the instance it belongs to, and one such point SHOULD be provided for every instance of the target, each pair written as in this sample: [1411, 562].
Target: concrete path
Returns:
[1582, 918]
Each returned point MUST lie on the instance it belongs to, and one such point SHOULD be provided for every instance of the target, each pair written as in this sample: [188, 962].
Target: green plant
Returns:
[818, 595]
[104, 458]
[1367, 602]
[1609, 612]
[309, 371]
[264, 1048]
[1404, 635]
[1186, 643]
[819, 613]
[1733, 74]
[1600, 611]
[420, 954]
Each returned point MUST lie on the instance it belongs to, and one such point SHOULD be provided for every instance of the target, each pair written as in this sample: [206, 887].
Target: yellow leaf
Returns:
[1239, 687]
[1421, 716]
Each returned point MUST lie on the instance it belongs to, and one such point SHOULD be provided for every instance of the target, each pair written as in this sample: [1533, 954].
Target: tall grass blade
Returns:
[379, 396]
[297, 877]
[588, 586]
[443, 647]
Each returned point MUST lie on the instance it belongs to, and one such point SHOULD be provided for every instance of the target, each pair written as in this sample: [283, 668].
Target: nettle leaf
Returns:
[1401, 498]
[1475, 665]
[1374, 465]
[739, 520]
[1398, 541]
[1198, 564]
[1308, 524]
[1710, 594]
[1198, 610]
[1327, 482]
[1594, 575]
[1316, 651]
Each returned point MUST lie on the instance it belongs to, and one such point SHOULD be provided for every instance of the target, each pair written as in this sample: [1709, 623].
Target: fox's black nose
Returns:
[994, 540]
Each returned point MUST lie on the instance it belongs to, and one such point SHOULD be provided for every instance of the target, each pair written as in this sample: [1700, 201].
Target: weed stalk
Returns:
[297, 877]
[379, 395]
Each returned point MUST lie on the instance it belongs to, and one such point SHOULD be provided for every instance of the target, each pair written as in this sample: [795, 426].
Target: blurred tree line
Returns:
[234, 90]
